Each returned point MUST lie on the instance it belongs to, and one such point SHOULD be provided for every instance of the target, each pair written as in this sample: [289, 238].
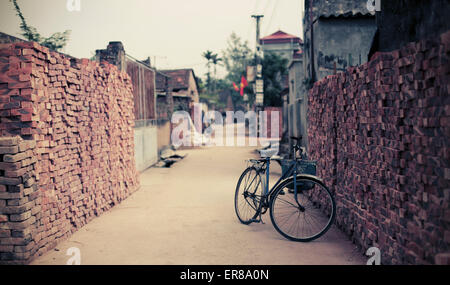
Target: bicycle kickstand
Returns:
[259, 220]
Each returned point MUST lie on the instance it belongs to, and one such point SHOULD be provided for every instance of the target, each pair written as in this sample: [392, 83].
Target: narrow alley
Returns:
[185, 215]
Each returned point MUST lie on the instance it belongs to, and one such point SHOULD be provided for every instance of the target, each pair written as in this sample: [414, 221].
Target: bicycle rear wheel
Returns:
[307, 221]
[247, 199]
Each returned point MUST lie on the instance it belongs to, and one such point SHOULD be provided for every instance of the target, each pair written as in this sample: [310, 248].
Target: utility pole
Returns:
[259, 100]
[257, 17]
[311, 22]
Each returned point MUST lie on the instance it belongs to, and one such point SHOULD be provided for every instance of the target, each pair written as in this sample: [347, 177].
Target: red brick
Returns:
[402, 166]
[64, 133]
[4, 233]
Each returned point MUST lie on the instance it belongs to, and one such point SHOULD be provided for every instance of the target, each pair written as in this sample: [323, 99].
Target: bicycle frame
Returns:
[292, 171]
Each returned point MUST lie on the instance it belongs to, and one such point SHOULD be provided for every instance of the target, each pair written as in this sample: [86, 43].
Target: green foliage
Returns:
[274, 69]
[214, 97]
[55, 42]
[201, 85]
[236, 57]
[208, 56]
[214, 59]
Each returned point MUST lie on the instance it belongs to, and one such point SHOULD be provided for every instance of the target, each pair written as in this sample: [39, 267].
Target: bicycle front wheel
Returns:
[306, 218]
[247, 199]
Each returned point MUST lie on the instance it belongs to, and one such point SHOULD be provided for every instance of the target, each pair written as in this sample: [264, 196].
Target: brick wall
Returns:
[381, 135]
[77, 117]
[20, 202]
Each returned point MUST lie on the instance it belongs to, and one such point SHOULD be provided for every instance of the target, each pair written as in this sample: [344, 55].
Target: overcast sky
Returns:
[173, 32]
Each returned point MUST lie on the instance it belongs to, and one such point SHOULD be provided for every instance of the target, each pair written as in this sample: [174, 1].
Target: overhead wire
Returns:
[269, 26]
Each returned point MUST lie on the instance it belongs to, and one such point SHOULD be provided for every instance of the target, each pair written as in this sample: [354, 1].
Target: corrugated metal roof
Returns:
[341, 8]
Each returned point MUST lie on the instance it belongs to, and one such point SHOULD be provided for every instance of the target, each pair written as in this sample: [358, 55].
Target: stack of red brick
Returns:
[80, 114]
[381, 134]
[20, 204]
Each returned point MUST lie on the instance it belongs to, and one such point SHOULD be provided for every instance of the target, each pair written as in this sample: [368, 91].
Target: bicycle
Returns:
[302, 208]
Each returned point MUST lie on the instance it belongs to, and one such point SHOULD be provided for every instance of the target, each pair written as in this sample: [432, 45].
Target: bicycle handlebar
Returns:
[265, 159]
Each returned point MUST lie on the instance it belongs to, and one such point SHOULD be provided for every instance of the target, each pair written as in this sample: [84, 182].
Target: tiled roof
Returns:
[179, 78]
[341, 8]
[280, 37]
[161, 80]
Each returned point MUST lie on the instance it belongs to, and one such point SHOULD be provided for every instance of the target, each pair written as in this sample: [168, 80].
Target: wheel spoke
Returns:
[309, 222]
[248, 195]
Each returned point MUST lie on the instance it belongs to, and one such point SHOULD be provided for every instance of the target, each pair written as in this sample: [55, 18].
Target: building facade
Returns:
[337, 35]
[281, 43]
[296, 103]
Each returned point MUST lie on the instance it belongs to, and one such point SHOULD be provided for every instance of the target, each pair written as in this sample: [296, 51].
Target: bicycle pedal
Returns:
[255, 221]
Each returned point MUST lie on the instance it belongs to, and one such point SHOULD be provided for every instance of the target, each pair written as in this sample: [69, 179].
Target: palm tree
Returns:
[215, 59]
[208, 55]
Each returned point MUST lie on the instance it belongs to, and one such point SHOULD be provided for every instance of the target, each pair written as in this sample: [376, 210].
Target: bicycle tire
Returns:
[323, 212]
[250, 199]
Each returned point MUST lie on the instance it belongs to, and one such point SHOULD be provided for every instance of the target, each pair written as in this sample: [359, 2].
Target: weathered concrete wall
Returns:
[80, 114]
[336, 32]
[298, 104]
[146, 145]
[381, 135]
[285, 50]
[343, 42]
[164, 134]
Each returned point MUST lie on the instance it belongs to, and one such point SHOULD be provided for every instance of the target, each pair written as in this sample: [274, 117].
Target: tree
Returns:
[55, 42]
[215, 59]
[236, 57]
[274, 69]
[208, 56]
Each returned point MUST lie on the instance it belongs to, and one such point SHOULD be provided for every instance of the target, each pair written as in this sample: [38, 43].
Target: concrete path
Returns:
[185, 215]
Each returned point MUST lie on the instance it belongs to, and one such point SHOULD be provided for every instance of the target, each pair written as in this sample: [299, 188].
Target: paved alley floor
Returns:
[185, 215]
